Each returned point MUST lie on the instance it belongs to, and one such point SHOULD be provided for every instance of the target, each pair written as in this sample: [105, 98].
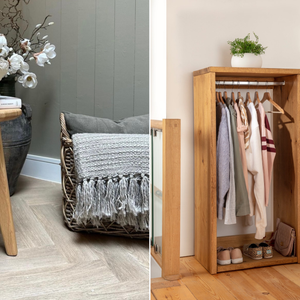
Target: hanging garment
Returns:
[244, 119]
[242, 201]
[240, 131]
[230, 209]
[223, 156]
[256, 176]
[267, 149]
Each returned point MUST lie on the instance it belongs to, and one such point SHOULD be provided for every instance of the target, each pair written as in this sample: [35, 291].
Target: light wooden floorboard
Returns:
[278, 282]
[243, 287]
[292, 272]
[201, 283]
[54, 263]
[174, 293]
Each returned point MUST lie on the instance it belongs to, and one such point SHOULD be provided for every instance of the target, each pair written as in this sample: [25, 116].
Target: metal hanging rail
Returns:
[238, 83]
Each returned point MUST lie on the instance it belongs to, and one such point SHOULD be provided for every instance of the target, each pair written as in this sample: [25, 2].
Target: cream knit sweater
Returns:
[256, 176]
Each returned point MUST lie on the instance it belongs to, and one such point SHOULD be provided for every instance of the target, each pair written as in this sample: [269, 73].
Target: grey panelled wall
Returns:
[101, 68]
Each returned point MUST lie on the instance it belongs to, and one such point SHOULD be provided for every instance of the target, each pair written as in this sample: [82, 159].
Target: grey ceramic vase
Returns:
[16, 136]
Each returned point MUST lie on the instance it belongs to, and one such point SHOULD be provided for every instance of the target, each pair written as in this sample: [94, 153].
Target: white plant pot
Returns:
[248, 61]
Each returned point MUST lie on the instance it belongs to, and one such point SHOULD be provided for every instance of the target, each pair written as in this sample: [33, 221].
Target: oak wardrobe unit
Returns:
[286, 169]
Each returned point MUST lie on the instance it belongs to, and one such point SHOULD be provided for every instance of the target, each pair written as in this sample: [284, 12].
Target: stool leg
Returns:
[6, 219]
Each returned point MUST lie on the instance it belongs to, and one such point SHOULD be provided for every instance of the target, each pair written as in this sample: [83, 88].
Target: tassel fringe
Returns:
[124, 199]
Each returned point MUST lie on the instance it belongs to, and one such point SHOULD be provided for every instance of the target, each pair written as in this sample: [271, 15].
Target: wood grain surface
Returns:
[205, 171]
[278, 282]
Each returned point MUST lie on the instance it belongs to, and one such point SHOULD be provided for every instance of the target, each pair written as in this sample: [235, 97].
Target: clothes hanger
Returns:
[248, 98]
[233, 96]
[232, 93]
[268, 97]
[220, 97]
[217, 97]
[256, 97]
[239, 93]
[225, 93]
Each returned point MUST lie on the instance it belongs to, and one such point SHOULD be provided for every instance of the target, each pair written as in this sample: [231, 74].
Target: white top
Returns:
[256, 192]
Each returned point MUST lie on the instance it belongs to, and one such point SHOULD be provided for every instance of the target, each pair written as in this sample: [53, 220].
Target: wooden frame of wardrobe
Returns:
[286, 170]
[169, 260]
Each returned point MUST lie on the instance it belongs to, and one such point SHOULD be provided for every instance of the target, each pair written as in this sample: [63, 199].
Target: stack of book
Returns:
[10, 102]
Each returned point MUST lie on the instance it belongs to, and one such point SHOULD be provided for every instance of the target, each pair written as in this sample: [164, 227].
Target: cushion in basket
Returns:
[77, 123]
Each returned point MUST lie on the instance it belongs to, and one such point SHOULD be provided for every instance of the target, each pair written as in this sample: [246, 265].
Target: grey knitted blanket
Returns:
[112, 178]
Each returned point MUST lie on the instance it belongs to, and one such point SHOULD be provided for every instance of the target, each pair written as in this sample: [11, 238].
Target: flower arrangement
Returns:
[241, 46]
[16, 50]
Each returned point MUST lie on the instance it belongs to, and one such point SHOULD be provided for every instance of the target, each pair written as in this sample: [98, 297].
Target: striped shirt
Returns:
[267, 148]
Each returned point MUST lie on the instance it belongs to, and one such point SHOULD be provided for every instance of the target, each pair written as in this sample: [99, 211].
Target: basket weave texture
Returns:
[68, 179]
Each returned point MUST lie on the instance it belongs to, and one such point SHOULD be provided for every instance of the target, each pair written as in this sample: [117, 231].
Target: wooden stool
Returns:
[6, 219]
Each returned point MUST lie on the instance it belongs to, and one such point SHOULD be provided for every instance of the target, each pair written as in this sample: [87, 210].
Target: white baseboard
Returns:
[41, 167]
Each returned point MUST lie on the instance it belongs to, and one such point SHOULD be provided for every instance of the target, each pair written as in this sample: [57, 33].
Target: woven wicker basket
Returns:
[68, 179]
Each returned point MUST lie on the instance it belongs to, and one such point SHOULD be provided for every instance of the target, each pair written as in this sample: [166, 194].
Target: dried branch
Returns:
[11, 20]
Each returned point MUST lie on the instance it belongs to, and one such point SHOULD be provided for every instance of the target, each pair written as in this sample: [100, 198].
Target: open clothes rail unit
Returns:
[286, 169]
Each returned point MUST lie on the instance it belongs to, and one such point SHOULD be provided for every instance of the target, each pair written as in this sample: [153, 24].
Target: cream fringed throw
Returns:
[112, 178]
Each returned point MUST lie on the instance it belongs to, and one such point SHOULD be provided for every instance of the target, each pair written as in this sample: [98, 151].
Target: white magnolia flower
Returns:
[3, 67]
[25, 46]
[16, 62]
[28, 80]
[3, 64]
[24, 67]
[49, 50]
[50, 23]
[45, 37]
[3, 41]
[41, 58]
[4, 51]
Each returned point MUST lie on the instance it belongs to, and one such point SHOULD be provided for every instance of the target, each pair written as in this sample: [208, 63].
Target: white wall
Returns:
[197, 35]
[158, 59]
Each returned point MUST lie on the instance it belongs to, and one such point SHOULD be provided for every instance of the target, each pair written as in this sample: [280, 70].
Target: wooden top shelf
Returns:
[247, 72]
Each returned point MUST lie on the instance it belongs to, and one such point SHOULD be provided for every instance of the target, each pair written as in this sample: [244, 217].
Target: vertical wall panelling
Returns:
[68, 54]
[101, 68]
[86, 57]
[52, 79]
[104, 60]
[124, 58]
[141, 78]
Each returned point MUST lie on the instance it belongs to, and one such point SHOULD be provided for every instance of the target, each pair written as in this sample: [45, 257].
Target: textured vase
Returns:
[248, 61]
[16, 136]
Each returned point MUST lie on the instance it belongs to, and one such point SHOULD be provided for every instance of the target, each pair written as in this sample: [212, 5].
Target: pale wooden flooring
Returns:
[278, 282]
[55, 263]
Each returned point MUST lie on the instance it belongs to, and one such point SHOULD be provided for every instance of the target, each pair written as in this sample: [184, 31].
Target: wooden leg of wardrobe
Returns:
[6, 219]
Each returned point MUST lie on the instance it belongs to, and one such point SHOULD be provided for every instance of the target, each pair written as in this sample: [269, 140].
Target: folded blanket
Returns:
[112, 178]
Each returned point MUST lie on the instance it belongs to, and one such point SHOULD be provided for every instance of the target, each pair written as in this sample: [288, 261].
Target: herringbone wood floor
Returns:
[55, 263]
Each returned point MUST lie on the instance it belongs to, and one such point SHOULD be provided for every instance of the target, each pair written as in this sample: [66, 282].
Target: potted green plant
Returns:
[246, 53]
